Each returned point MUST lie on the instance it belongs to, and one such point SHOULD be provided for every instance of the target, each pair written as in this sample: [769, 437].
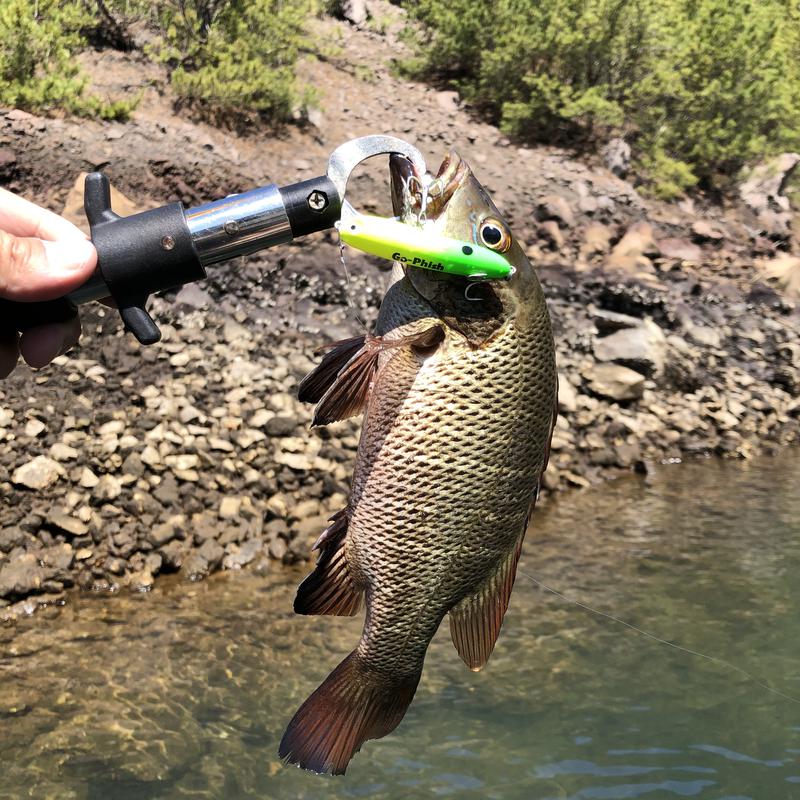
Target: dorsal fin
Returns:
[330, 589]
[475, 622]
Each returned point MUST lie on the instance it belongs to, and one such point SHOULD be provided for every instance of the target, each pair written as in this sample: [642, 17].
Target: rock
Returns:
[556, 208]
[242, 555]
[37, 474]
[161, 534]
[167, 492]
[11, 538]
[88, 479]
[632, 251]
[230, 507]
[551, 233]
[173, 555]
[58, 557]
[203, 561]
[680, 249]
[612, 321]
[63, 452]
[34, 427]
[567, 396]
[353, 11]
[73, 206]
[282, 425]
[277, 549]
[703, 232]
[643, 348]
[108, 488]
[192, 295]
[295, 461]
[763, 191]
[447, 101]
[617, 157]
[614, 382]
[596, 240]
[21, 577]
[67, 524]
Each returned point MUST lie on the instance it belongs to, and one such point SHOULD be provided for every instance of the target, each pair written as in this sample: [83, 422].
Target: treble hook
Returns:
[468, 287]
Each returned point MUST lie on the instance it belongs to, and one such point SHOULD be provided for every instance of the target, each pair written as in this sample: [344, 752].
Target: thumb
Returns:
[36, 269]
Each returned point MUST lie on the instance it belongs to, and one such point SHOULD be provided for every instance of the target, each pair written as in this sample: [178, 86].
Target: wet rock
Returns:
[242, 555]
[614, 382]
[37, 474]
[20, 577]
[204, 560]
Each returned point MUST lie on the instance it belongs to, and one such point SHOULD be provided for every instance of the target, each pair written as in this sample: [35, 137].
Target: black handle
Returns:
[22, 316]
[136, 256]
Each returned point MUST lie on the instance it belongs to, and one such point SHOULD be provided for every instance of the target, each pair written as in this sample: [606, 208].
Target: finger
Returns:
[23, 218]
[9, 353]
[32, 269]
[39, 346]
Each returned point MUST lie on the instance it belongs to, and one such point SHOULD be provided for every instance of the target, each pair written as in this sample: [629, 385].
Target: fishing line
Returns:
[347, 288]
[712, 659]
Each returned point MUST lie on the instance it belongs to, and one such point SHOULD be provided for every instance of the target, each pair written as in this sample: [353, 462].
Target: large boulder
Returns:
[642, 348]
[614, 382]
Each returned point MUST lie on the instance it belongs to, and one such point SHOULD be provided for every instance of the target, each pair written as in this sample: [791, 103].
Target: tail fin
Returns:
[353, 704]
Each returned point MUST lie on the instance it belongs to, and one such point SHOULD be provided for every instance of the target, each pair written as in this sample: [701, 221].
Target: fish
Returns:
[458, 389]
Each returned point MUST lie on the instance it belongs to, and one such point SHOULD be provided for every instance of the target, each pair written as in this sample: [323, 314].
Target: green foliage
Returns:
[700, 86]
[37, 68]
[232, 57]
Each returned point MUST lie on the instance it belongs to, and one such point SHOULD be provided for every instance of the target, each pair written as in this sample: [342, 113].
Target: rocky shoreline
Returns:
[194, 456]
[122, 463]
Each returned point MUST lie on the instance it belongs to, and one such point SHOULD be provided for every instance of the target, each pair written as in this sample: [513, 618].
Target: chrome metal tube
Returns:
[239, 224]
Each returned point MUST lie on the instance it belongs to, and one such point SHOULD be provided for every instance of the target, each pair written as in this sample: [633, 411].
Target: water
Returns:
[184, 693]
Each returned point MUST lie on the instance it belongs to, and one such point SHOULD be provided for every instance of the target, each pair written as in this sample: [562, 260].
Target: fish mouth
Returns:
[407, 185]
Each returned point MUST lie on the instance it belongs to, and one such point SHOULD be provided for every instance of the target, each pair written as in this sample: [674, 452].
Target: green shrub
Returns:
[699, 86]
[233, 57]
[38, 42]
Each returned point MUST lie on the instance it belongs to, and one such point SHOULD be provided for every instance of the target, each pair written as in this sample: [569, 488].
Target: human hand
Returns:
[42, 257]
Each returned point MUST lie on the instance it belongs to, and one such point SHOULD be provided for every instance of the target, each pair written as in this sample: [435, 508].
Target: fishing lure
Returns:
[417, 247]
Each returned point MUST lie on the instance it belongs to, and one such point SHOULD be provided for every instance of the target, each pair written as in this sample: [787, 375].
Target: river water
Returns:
[184, 693]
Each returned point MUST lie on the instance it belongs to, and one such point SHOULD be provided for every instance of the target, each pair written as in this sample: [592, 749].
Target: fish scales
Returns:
[459, 397]
[433, 524]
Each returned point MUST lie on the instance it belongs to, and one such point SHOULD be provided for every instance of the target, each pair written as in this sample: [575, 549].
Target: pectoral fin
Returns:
[341, 384]
[475, 622]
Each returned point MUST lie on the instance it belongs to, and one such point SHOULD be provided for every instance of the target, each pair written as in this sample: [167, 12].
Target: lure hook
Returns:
[468, 287]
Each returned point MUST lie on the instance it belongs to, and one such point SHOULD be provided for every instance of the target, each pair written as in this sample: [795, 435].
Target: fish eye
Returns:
[495, 235]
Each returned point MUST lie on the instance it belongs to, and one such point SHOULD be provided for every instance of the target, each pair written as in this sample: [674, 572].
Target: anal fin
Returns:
[475, 622]
[330, 589]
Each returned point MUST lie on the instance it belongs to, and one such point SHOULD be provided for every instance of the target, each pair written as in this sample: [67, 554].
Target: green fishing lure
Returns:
[423, 249]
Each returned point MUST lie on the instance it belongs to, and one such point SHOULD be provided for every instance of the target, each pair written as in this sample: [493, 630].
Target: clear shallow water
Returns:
[185, 692]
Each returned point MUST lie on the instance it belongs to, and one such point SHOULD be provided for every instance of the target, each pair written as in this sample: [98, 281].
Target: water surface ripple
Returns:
[184, 693]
